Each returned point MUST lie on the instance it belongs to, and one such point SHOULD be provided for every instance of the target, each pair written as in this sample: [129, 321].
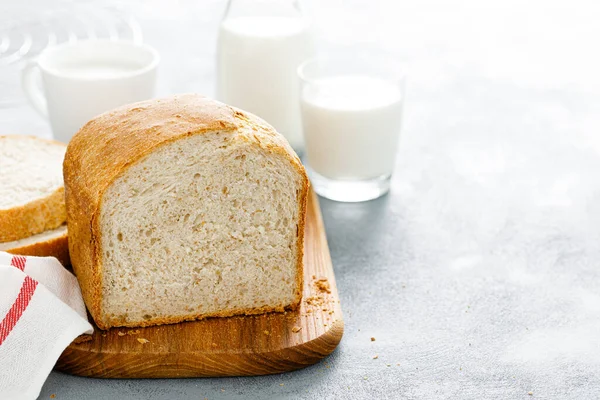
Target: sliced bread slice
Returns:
[52, 243]
[31, 186]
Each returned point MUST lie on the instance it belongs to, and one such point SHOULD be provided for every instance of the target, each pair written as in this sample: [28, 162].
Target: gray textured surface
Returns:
[479, 274]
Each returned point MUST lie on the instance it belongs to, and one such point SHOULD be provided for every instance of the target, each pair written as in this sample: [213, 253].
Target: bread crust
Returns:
[101, 151]
[56, 247]
[35, 217]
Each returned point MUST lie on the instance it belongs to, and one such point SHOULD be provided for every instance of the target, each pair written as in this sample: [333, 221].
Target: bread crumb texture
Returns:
[222, 237]
[31, 169]
[33, 196]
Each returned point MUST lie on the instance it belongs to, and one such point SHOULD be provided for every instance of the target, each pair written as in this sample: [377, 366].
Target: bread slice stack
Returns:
[32, 206]
[184, 208]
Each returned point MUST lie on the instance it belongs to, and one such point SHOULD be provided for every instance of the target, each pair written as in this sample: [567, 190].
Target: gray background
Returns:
[479, 274]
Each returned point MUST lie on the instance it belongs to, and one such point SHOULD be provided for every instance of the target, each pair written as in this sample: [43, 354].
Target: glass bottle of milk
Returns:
[261, 44]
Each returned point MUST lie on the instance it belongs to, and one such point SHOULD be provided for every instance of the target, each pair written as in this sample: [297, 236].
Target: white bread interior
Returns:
[31, 186]
[200, 226]
[31, 169]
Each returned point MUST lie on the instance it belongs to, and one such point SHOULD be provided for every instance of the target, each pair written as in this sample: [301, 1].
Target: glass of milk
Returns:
[351, 115]
[261, 44]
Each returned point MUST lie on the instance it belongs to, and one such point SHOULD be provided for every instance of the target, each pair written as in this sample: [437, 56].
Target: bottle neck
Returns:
[263, 8]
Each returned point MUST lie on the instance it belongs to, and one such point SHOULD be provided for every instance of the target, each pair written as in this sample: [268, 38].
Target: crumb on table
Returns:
[143, 341]
[372, 339]
[296, 329]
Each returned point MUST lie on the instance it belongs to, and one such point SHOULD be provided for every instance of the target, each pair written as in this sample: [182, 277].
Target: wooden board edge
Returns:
[206, 365]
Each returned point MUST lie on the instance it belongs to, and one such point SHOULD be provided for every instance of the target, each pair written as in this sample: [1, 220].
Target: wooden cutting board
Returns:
[248, 345]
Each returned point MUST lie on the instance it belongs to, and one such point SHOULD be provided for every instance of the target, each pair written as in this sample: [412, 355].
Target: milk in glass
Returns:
[351, 126]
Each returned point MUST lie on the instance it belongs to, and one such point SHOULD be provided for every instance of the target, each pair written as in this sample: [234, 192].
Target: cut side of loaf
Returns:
[31, 186]
[52, 243]
[197, 209]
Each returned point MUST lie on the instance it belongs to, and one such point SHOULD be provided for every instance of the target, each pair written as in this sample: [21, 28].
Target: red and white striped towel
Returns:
[41, 313]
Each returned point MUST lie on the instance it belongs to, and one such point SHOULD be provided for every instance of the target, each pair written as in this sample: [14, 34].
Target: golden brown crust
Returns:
[176, 319]
[56, 247]
[107, 145]
[33, 218]
[36, 217]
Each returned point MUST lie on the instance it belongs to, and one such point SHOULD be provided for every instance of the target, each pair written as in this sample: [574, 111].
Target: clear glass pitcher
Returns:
[261, 44]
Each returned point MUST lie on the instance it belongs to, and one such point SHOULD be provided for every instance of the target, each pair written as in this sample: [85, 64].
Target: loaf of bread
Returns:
[184, 208]
[31, 186]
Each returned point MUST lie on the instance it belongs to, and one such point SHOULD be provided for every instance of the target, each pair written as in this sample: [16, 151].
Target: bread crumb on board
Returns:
[266, 332]
[52, 396]
[375, 357]
[143, 341]
[314, 300]
[121, 333]
[296, 329]
[372, 339]
[530, 393]
[323, 285]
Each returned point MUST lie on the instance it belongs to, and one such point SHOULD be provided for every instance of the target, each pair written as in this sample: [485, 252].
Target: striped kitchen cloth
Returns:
[41, 313]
